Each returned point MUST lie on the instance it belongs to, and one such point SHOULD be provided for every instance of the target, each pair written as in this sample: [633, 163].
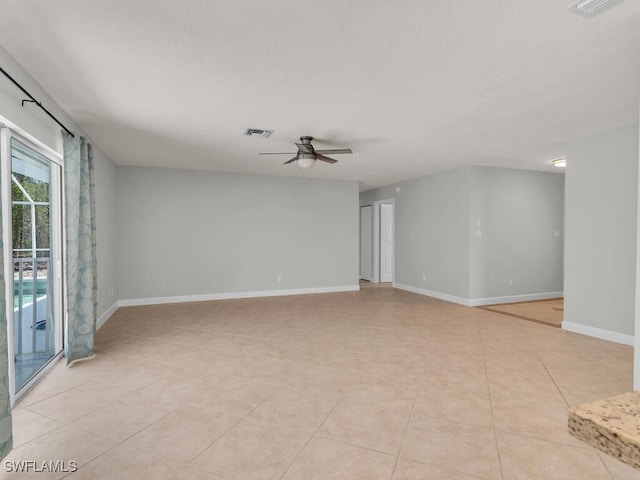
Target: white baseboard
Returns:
[476, 302]
[529, 297]
[105, 316]
[430, 293]
[598, 333]
[231, 295]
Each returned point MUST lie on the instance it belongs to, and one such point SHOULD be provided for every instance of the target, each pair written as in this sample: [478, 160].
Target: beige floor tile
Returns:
[457, 378]
[182, 336]
[121, 419]
[442, 443]
[536, 388]
[121, 370]
[187, 472]
[456, 358]
[324, 459]
[619, 470]
[466, 406]
[235, 396]
[65, 444]
[409, 470]
[295, 407]
[576, 377]
[589, 392]
[515, 363]
[80, 401]
[209, 361]
[371, 424]
[28, 426]
[183, 385]
[253, 450]
[185, 433]
[59, 380]
[546, 421]
[351, 364]
[151, 349]
[125, 463]
[528, 458]
[365, 392]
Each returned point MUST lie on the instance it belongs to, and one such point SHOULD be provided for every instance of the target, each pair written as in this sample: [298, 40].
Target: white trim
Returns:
[41, 147]
[430, 293]
[476, 302]
[598, 333]
[106, 315]
[231, 295]
[529, 297]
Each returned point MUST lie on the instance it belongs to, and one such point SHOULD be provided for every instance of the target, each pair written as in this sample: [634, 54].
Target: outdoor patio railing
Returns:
[32, 329]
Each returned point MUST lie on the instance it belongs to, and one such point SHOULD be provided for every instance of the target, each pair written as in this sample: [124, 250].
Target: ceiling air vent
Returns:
[588, 8]
[258, 131]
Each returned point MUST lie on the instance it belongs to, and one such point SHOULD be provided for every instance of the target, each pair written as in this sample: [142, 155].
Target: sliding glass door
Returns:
[31, 186]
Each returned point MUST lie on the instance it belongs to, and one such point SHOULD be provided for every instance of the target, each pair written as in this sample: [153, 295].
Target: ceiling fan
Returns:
[307, 155]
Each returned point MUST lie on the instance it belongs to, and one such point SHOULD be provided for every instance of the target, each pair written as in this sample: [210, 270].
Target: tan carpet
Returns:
[549, 312]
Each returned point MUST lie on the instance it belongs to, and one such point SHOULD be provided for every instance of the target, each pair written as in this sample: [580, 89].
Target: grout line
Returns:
[311, 438]
[493, 419]
[606, 467]
[406, 429]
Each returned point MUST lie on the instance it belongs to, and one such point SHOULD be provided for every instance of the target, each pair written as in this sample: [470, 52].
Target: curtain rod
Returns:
[33, 100]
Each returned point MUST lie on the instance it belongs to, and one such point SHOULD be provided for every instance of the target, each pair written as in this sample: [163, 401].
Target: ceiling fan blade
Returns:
[325, 159]
[277, 153]
[292, 160]
[335, 151]
[304, 148]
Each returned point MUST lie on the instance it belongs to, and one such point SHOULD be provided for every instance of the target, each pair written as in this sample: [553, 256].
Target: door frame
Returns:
[57, 248]
[376, 239]
[366, 238]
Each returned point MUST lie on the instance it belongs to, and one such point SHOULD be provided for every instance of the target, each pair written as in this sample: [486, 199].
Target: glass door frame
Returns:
[57, 249]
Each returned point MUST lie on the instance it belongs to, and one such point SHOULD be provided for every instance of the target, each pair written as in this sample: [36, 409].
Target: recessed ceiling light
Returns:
[588, 8]
[559, 162]
[258, 131]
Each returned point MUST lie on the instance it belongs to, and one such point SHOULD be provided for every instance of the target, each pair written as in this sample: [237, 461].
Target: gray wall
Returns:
[34, 122]
[600, 255]
[185, 233]
[521, 217]
[436, 221]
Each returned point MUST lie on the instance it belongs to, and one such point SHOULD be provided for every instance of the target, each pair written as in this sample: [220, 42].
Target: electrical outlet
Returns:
[511, 283]
[424, 277]
[278, 278]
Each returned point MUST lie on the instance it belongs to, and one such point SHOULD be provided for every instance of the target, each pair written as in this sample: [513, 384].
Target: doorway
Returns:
[31, 186]
[377, 242]
[386, 242]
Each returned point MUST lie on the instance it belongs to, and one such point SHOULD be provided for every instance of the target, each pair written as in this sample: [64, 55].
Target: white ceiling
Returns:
[413, 87]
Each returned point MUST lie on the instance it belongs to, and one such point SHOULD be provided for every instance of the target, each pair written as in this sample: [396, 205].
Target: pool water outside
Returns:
[27, 291]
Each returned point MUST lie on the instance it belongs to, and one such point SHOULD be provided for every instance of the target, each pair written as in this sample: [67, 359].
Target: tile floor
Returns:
[377, 384]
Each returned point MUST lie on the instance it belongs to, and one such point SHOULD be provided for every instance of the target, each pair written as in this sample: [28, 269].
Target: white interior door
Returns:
[386, 242]
[366, 242]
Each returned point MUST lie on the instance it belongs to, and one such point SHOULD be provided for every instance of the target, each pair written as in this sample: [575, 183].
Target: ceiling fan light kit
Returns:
[307, 155]
[306, 160]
